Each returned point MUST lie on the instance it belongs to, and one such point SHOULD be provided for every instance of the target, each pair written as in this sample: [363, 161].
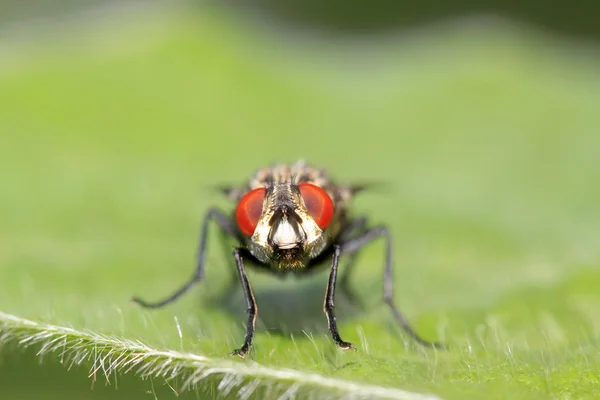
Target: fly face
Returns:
[287, 221]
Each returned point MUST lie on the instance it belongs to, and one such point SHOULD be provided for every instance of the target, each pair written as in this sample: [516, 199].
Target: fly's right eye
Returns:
[249, 210]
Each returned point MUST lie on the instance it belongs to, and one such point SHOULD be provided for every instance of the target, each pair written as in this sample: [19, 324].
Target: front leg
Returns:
[251, 303]
[329, 301]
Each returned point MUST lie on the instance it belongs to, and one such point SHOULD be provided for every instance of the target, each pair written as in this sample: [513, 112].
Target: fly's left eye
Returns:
[249, 210]
[318, 203]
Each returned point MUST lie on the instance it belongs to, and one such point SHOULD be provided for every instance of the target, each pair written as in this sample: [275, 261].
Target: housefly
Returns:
[292, 219]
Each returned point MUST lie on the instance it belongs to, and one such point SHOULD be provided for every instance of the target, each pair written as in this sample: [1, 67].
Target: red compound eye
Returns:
[318, 203]
[249, 210]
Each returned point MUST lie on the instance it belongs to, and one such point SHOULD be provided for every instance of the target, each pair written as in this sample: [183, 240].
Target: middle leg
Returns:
[353, 245]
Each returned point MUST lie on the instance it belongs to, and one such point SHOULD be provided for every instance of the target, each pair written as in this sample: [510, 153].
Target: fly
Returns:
[291, 219]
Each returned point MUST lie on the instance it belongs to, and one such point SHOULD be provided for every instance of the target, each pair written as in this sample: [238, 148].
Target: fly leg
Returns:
[356, 243]
[227, 227]
[329, 305]
[251, 303]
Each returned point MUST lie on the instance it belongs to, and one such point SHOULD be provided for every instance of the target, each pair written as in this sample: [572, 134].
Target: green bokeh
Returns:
[112, 143]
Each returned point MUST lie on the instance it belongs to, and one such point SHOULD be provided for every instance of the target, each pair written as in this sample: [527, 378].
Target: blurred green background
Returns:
[358, 17]
[117, 124]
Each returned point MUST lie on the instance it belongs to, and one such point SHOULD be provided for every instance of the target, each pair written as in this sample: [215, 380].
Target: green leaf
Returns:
[112, 144]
